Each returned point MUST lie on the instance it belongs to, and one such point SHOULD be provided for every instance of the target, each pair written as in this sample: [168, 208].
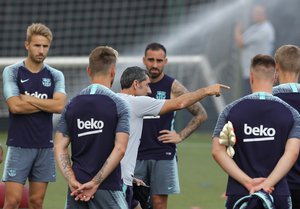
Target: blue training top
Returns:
[151, 148]
[290, 93]
[31, 130]
[91, 120]
[262, 124]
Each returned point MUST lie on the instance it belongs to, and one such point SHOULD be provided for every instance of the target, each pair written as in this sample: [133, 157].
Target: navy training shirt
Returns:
[31, 130]
[262, 124]
[290, 93]
[91, 120]
[151, 148]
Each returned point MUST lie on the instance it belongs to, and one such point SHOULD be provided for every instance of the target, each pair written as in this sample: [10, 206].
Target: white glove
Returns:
[227, 138]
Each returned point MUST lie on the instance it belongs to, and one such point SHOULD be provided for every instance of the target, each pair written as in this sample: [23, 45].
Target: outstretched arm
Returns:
[189, 98]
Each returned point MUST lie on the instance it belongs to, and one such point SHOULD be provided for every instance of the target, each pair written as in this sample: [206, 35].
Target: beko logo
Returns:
[264, 133]
[95, 125]
[37, 95]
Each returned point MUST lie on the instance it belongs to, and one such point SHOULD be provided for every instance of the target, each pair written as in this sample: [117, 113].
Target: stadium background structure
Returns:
[188, 29]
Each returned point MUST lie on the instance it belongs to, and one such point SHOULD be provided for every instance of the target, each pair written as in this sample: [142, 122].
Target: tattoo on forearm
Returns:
[99, 178]
[66, 165]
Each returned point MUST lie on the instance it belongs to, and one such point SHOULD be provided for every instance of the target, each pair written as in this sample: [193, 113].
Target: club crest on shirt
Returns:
[161, 95]
[46, 82]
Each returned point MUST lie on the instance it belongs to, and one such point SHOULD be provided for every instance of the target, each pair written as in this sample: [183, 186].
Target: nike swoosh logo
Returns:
[23, 81]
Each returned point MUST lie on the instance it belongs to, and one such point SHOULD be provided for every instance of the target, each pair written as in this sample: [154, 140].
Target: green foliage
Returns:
[202, 181]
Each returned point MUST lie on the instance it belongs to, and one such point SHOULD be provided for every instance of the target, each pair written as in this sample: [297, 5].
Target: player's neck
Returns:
[155, 80]
[288, 78]
[105, 81]
[33, 66]
[262, 88]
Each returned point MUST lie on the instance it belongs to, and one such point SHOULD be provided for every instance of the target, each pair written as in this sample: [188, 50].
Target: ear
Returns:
[166, 60]
[135, 84]
[144, 60]
[277, 68]
[88, 71]
[113, 71]
[26, 45]
[275, 77]
[251, 78]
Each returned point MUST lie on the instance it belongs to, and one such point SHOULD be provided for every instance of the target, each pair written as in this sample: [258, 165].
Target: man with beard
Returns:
[158, 141]
[33, 92]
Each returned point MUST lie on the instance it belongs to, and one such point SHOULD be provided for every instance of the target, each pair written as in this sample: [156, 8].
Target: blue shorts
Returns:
[37, 165]
[103, 199]
[160, 175]
[280, 202]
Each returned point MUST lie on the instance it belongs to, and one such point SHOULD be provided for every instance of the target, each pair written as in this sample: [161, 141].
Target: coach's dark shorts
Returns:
[128, 190]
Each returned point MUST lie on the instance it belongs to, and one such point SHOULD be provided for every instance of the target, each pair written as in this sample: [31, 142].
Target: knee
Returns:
[160, 201]
[11, 203]
[36, 203]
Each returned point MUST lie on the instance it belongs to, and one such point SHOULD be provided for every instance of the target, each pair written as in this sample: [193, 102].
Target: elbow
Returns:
[121, 151]
[214, 154]
[15, 110]
[59, 108]
[204, 116]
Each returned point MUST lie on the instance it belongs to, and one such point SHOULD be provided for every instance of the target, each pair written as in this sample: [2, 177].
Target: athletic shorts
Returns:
[103, 199]
[280, 202]
[37, 165]
[160, 175]
[128, 191]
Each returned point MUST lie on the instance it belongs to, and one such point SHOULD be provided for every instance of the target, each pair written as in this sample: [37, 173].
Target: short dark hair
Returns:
[101, 59]
[263, 60]
[263, 66]
[155, 46]
[131, 74]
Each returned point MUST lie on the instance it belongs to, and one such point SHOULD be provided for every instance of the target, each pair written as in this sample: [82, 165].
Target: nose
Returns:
[41, 49]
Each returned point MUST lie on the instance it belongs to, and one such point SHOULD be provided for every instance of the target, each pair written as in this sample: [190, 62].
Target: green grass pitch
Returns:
[202, 181]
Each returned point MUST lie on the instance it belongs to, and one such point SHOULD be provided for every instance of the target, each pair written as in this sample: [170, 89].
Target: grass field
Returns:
[201, 179]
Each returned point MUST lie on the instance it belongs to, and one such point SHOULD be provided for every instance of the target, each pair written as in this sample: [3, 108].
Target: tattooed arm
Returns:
[196, 109]
[61, 143]
[87, 190]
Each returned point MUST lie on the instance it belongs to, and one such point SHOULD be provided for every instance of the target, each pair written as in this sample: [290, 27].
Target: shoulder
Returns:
[54, 71]
[12, 68]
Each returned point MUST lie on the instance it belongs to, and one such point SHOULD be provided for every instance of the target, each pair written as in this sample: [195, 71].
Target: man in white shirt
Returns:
[135, 87]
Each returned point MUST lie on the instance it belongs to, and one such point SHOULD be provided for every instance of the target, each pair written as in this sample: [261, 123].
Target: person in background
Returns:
[267, 139]
[287, 58]
[157, 150]
[256, 39]
[33, 91]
